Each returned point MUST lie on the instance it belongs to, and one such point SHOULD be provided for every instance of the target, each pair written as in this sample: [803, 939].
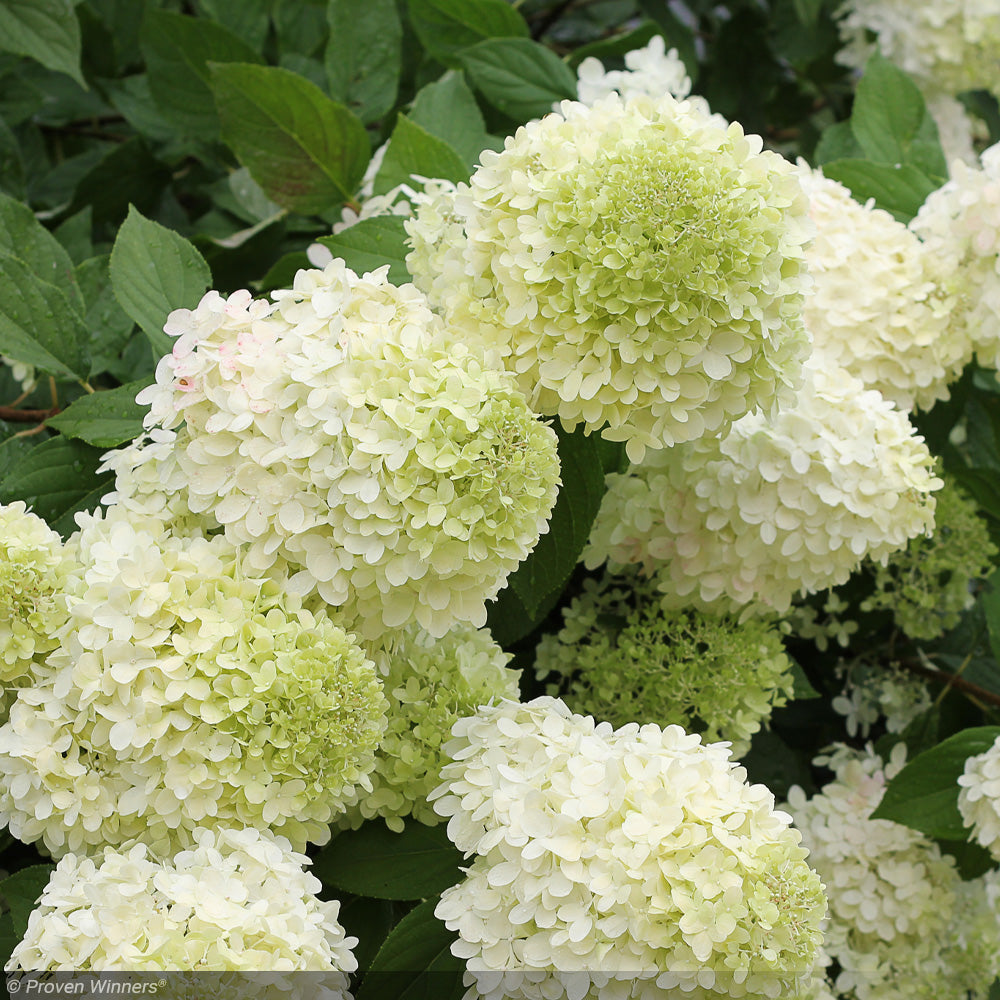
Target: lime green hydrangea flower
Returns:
[623, 659]
[637, 264]
[431, 683]
[34, 567]
[237, 900]
[186, 693]
[926, 585]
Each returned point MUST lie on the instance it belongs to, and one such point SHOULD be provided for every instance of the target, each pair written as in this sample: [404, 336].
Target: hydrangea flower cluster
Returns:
[896, 925]
[431, 683]
[928, 584]
[34, 570]
[949, 46]
[875, 308]
[821, 624]
[21, 373]
[186, 692]
[622, 659]
[958, 224]
[613, 855]
[344, 432]
[237, 900]
[775, 508]
[979, 798]
[637, 266]
[876, 691]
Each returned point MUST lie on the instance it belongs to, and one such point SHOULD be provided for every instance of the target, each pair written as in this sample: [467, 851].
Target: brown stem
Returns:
[15, 416]
[952, 680]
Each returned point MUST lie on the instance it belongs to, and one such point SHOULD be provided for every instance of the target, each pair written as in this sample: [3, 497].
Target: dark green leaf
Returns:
[549, 565]
[39, 325]
[45, 30]
[11, 163]
[300, 26]
[128, 175]
[56, 479]
[413, 150]
[890, 121]
[970, 859]
[369, 920]
[838, 143]
[990, 600]
[178, 50]
[363, 56]
[446, 27]
[924, 795]
[374, 861]
[615, 47]
[21, 890]
[105, 419]
[73, 235]
[899, 190]
[808, 10]
[154, 271]
[23, 236]
[282, 272]
[518, 76]
[370, 243]
[802, 690]
[110, 327]
[9, 938]
[447, 109]
[247, 18]
[415, 961]
[307, 152]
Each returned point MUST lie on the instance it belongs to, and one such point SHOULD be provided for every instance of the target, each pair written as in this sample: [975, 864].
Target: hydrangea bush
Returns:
[501, 500]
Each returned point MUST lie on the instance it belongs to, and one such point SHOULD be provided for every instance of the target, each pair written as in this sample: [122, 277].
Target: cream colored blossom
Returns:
[635, 264]
[774, 509]
[345, 434]
[875, 691]
[875, 308]
[634, 860]
[186, 692]
[24, 374]
[979, 798]
[236, 900]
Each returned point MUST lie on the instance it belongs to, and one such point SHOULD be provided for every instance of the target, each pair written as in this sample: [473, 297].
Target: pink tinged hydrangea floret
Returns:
[776, 508]
[875, 307]
[186, 692]
[635, 861]
[345, 434]
[979, 798]
[237, 900]
[636, 265]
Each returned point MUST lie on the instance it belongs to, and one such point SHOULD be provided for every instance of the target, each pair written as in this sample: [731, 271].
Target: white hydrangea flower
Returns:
[959, 224]
[948, 46]
[957, 129]
[34, 572]
[430, 684]
[636, 861]
[24, 374]
[237, 900]
[896, 925]
[745, 522]
[872, 692]
[650, 71]
[185, 692]
[346, 433]
[979, 799]
[875, 308]
[636, 266]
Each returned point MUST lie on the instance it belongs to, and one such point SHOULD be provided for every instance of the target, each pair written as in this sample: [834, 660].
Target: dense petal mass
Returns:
[236, 900]
[630, 860]
[979, 799]
[775, 508]
[637, 264]
[186, 693]
[343, 433]
[875, 308]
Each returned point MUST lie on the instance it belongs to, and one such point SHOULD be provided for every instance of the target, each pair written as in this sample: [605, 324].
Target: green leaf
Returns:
[924, 795]
[838, 143]
[154, 271]
[307, 152]
[446, 27]
[899, 190]
[21, 890]
[363, 56]
[369, 920]
[128, 175]
[370, 243]
[39, 325]
[548, 567]
[282, 272]
[415, 961]
[300, 26]
[447, 109]
[376, 862]
[105, 419]
[44, 30]
[11, 163]
[178, 50]
[56, 479]
[890, 121]
[413, 150]
[247, 18]
[23, 236]
[615, 47]
[518, 76]
[802, 690]
[807, 11]
[110, 328]
[9, 938]
[990, 601]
